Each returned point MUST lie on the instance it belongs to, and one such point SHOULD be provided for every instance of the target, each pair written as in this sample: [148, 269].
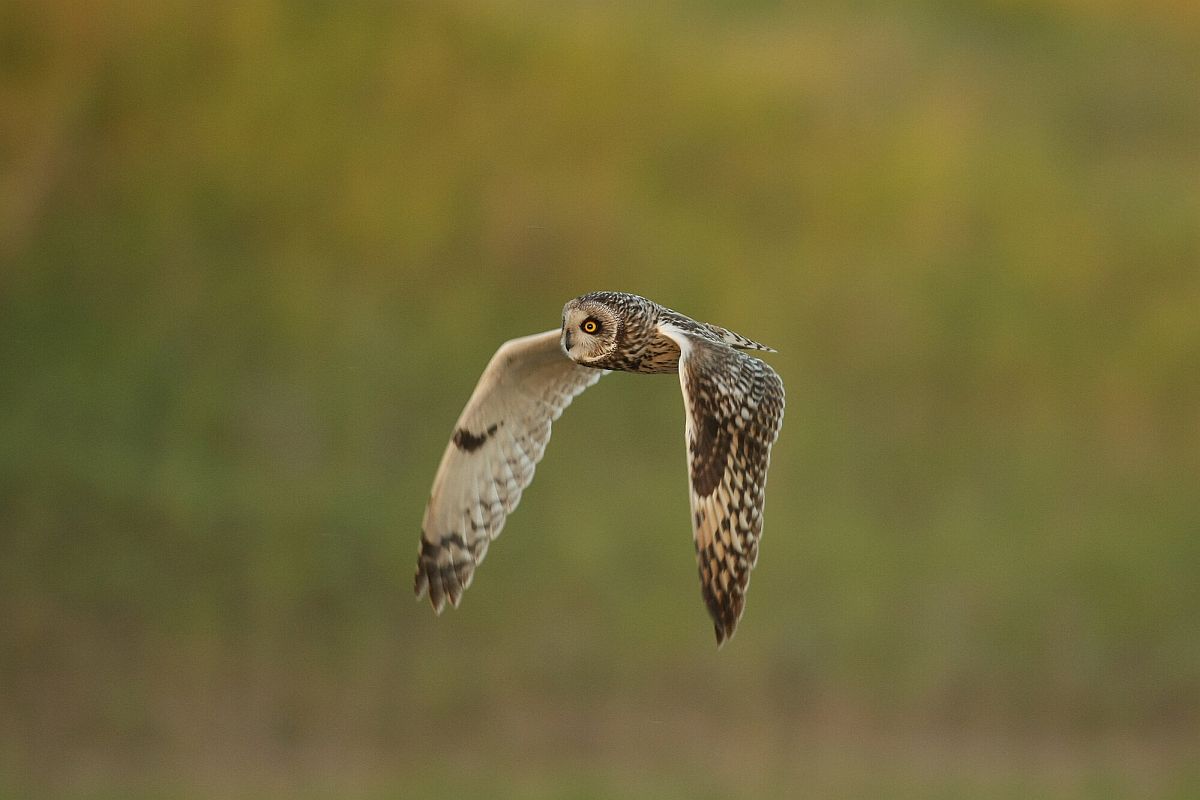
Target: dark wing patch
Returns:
[709, 451]
[469, 442]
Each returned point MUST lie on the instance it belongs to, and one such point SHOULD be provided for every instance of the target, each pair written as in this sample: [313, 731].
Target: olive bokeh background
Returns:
[254, 257]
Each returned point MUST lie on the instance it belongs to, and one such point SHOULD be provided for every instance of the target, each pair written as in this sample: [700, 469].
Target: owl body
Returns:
[639, 343]
[733, 413]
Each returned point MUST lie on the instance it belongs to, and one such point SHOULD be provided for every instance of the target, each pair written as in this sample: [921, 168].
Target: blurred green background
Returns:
[253, 258]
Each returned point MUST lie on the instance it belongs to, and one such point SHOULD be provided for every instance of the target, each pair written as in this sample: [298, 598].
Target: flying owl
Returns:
[733, 407]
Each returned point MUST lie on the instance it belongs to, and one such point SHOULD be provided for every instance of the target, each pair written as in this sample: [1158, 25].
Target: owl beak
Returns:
[567, 341]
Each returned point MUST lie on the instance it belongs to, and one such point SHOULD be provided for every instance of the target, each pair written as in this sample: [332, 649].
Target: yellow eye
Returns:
[590, 326]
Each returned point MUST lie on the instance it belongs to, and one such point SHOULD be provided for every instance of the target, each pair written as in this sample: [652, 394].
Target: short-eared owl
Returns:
[733, 405]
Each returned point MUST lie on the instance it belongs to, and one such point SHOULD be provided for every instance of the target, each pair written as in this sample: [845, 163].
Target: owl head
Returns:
[590, 330]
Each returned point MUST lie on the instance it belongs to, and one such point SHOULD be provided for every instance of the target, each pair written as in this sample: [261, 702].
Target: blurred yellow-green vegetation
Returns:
[254, 256]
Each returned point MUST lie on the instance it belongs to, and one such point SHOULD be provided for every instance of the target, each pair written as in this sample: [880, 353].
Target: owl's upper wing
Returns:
[734, 409]
[498, 440]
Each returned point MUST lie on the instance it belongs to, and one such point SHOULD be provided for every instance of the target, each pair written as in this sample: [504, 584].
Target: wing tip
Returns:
[436, 600]
[725, 626]
[427, 582]
[725, 609]
[442, 581]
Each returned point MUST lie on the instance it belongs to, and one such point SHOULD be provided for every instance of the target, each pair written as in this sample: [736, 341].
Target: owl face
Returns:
[589, 332]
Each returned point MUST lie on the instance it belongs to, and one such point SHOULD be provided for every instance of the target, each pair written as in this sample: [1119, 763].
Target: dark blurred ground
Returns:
[253, 258]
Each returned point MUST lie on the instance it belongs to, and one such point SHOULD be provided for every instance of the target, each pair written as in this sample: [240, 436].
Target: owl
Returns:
[733, 407]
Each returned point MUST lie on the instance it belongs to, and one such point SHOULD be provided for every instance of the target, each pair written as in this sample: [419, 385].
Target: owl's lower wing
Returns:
[734, 411]
[498, 440]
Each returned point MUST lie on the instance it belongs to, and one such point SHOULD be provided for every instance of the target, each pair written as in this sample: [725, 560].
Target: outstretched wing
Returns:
[497, 442]
[734, 411]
